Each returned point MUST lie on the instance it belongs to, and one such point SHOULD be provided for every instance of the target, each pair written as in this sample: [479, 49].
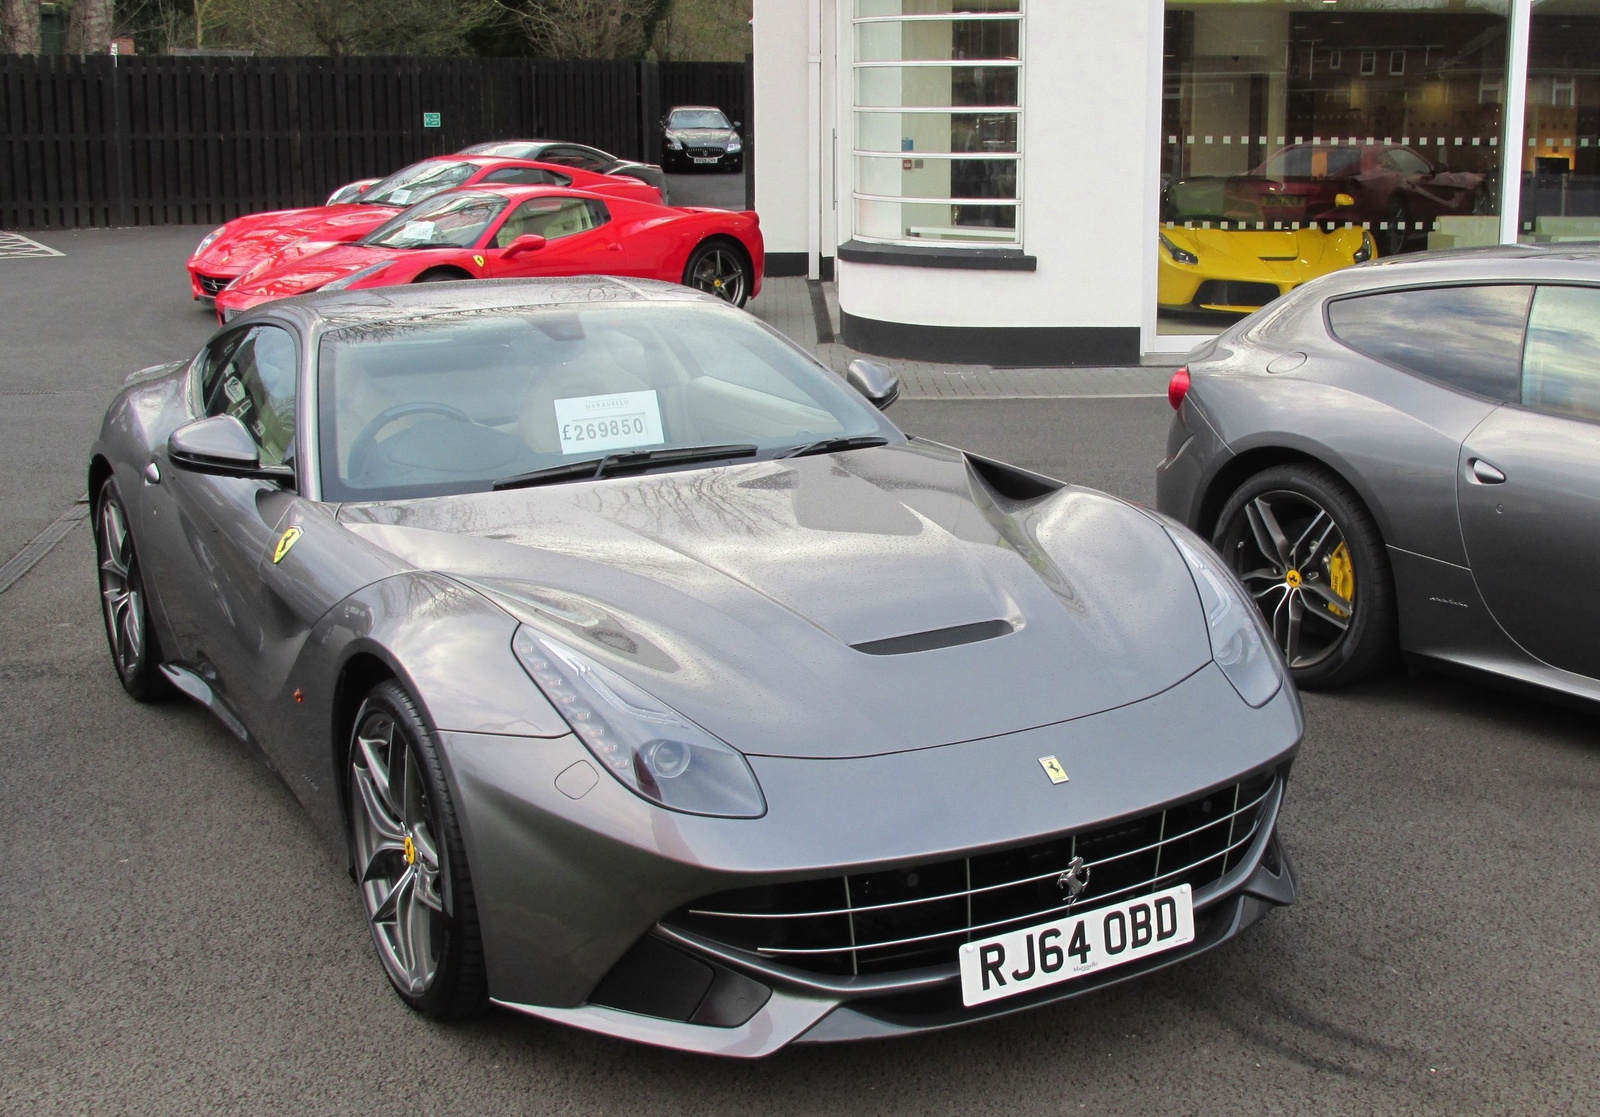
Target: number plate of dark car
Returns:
[1079, 944]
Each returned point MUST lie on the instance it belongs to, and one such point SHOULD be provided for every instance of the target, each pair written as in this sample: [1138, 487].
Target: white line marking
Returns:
[14, 245]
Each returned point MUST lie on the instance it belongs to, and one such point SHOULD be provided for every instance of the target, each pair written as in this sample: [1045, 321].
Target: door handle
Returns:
[1484, 473]
[152, 473]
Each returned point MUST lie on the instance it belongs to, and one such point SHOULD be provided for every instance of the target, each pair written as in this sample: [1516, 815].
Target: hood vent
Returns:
[936, 638]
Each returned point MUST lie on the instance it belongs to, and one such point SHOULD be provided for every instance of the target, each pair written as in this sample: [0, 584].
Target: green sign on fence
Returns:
[430, 120]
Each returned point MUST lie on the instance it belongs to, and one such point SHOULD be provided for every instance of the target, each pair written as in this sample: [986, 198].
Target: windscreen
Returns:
[697, 118]
[453, 221]
[410, 185]
[454, 402]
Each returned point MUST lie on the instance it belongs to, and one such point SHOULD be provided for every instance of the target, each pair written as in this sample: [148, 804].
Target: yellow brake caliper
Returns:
[1341, 577]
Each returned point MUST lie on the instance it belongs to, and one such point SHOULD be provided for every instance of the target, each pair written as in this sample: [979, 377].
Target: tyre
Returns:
[440, 275]
[1392, 233]
[721, 268]
[409, 861]
[135, 651]
[1309, 552]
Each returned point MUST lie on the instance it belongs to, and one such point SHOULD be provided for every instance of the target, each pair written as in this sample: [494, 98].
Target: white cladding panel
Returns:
[779, 36]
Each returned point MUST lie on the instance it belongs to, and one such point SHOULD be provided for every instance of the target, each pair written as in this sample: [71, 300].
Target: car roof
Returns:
[321, 311]
[1505, 263]
[707, 108]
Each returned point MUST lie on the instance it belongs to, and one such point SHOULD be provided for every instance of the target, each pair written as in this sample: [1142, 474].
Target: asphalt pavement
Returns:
[174, 940]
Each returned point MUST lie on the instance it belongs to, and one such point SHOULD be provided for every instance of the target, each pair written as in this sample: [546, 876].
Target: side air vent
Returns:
[936, 638]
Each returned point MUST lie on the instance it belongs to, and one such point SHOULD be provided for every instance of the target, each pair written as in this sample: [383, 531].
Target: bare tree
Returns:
[19, 27]
[90, 29]
[608, 29]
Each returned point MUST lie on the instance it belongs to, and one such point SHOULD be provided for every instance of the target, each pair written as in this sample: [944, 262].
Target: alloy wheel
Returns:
[121, 593]
[397, 857]
[1294, 561]
[720, 272]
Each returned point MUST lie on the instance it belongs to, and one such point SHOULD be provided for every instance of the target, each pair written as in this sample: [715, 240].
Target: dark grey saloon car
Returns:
[1408, 454]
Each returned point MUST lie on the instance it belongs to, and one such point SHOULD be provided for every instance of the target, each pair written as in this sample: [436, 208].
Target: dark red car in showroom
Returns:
[498, 232]
[1388, 187]
[233, 249]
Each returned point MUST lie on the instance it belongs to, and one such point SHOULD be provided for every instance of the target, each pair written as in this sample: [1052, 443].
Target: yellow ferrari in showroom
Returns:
[1235, 252]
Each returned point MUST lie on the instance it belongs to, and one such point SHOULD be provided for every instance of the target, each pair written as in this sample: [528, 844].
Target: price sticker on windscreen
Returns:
[596, 424]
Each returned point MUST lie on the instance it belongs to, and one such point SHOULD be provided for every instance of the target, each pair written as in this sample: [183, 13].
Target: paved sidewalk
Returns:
[787, 305]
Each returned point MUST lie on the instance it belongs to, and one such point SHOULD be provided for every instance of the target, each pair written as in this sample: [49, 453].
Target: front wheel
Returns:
[720, 268]
[409, 860]
[1309, 552]
[135, 652]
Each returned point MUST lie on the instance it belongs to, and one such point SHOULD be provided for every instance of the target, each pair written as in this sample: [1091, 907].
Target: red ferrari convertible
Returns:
[230, 251]
[500, 232]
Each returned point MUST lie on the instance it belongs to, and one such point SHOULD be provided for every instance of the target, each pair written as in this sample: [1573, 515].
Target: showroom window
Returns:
[938, 89]
[1277, 166]
[1561, 128]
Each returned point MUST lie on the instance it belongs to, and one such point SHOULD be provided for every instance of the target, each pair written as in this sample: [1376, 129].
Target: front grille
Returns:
[705, 152]
[1233, 292]
[212, 284]
[919, 915]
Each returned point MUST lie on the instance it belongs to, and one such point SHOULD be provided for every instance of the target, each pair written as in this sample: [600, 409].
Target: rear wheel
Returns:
[1309, 552]
[135, 651]
[1392, 232]
[720, 268]
[410, 863]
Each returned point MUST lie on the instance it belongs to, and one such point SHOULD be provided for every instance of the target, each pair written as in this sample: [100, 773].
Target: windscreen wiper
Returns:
[834, 445]
[593, 469]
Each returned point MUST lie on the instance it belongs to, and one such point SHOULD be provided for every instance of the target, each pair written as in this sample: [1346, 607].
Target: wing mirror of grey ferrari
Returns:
[530, 242]
[876, 381]
[220, 446]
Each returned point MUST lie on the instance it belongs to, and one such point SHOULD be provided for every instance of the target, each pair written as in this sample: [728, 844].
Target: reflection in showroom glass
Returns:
[1560, 153]
[1302, 137]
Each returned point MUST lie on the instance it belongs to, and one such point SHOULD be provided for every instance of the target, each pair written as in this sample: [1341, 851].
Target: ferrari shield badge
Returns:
[478, 260]
[287, 540]
[1052, 768]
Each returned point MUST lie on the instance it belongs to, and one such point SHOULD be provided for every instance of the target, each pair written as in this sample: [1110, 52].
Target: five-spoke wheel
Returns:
[1309, 553]
[133, 645]
[409, 862]
[719, 268]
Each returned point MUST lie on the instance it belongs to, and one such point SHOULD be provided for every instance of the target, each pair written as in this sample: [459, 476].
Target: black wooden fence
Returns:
[159, 140]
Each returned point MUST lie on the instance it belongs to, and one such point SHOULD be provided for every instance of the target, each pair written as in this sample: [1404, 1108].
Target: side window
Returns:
[252, 376]
[1468, 338]
[1406, 162]
[1561, 362]
[585, 159]
[551, 218]
[526, 176]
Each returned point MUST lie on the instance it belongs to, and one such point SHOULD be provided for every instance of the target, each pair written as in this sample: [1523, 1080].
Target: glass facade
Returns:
[1302, 136]
[938, 91]
[1561, 126]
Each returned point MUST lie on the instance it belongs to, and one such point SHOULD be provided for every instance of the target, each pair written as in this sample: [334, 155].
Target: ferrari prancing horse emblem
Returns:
[1052, 768]
[478, 260]
[288, 540]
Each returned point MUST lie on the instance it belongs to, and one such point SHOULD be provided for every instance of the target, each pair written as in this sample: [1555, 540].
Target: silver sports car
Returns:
[1406, 454]
[651, 681]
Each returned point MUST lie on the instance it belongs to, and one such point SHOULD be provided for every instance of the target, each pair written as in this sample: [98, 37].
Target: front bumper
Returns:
[569, 890]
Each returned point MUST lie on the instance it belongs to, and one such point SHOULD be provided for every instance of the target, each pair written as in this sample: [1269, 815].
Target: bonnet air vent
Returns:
[936, 638]
[1011, 482]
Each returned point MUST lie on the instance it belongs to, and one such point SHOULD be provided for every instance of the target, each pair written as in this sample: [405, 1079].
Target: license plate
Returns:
[705, 158]
[1076, 945]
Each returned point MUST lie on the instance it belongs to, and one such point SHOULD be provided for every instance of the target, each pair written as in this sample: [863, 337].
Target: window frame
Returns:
[957, 243]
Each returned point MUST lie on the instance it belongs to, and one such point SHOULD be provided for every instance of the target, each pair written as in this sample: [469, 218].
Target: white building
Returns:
[1018, 182]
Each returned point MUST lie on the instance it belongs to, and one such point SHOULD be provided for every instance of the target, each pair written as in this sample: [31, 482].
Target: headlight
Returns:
[1239, 640]
[1364, 253]
[735, 144]
[1181, 255]
[642, 741]
[356, 276]
[674, 143]
[209, 238]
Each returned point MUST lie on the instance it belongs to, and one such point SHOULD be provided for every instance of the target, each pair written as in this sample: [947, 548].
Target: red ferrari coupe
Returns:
[499, 232]
[230, 251]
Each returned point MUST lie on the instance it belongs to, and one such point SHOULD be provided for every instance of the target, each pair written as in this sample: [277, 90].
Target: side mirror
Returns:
[875, 381]
[530, 242]
[221, 447]
[1343, 201]
[737, 125]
